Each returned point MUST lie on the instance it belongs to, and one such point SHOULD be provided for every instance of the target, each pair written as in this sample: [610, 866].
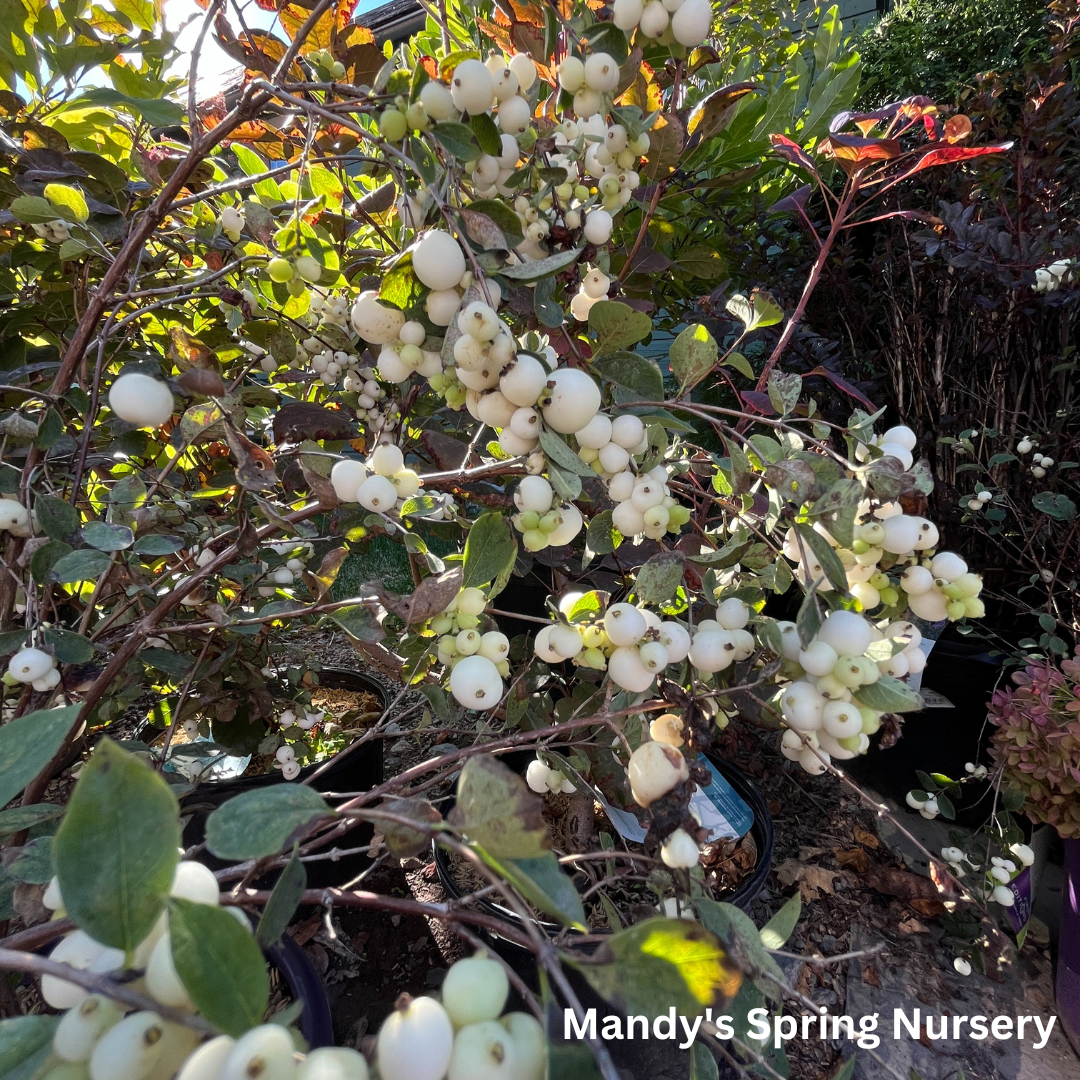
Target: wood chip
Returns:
[867, 839]
[855, 857]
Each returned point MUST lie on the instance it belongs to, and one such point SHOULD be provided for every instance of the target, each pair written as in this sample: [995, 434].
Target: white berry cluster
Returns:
[95, 1039]
[15, 518]
[34, 666]
[331, 365]
[644, 504]
[686, 21]
[286, 761]
[979, 500]
[490, 172]
[377, 484]
[54, 231]
[465, 1036]
[304, 719]
[540, 522]
[718, 643]
[898, 442]
[632, 644]
[1050, 278]
[478, 662]
[818, 704]
[547, 781]
[328, 309]
[232, 221]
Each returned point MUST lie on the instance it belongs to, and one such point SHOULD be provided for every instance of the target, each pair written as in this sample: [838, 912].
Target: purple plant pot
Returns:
[1068, 969]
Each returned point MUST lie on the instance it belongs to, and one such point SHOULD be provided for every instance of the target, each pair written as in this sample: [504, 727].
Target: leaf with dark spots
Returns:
[432, 596]
[300, 420]
[254, 466]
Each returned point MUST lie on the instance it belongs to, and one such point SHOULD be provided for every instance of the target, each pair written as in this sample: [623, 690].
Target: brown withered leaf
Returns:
[254, 466]
[322, 580]
[892, 727]
[300, 420]
[403, 840]
[903, 884]
[321, 488]
[380, 200]
[201, 382]
[867, 839]
[187, 352]
[447, 452]
[855, 858]
[912, 925]
[930, 908]
[812, 880]
[870, 974]
[432, 596]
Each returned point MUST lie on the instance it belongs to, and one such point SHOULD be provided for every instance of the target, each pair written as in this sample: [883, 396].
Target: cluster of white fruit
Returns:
[96, 1040]
[942, 588]
[980, 499]
[286, 761]
[377, 484]
[15, 518]
[1050, 278]
[490, 172]
[547, 781]
[898, 442]
[818, 706]
[718, 643]
[280, 577]
[593, 288]
[644, 504]
[34, 666]
[464, 1037]
[54, 231]
[632, 644]
[686, 21]
[478, 662]
[329, 310]
[304, 719]
[331, 364]
[141, 400]
[232, 220]
[539, 523]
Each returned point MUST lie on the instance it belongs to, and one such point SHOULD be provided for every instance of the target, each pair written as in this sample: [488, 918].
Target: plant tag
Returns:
[720, 809]
[933, 700]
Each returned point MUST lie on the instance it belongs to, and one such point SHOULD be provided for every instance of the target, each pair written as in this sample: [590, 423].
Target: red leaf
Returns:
[758, 402]
[842, 384]
[792, 151]
[949, 155]
[859, 149]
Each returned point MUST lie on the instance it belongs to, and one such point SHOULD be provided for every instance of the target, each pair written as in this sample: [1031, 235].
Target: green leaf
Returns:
[781, 926]
[33, 209]
[823, 551]
[567, 485]
[808, 620]
[69, 201]
[534, 271]
[487, 134]
[107, 537]
[34, 863]
[702, 1063]
[659, 579]
[155, 544]
[496, 810]
[660, 963]
[25, 1045]
[638, 379]
[458, 140]
[739, 936]
[45, 558]
[617, 326]
[359, 621]
[1059, 507]
[757, 312]
[784, 390]
[1012, 799]
[284, 900]
[847, 1070]
[693, 355]
[545, 885]
[262, 822]
[52, 425]
[502, 215]
[220, 964]
[601, 536]
[69, 647]
[25, 817]
[571, 1061]
[159, 112]
[888, 695]
[27, 745]
[84, 565]
[739, 363]
[489, 547]
[561, 454]
[11, 642]
[116, 851]
[59, 520]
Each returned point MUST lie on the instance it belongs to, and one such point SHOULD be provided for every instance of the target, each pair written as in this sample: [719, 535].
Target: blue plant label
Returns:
[1020, 912]
[720, 808]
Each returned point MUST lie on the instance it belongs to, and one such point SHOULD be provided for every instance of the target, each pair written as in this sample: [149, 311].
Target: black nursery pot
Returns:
[356, 768]
[761, 830]
[965, 672]
[305, 985]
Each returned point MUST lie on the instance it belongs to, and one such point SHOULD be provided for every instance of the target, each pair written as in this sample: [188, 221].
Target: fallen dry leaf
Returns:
[812, 880]
[930, 908]
[867, 839]
[913, 926]
[870, 975]
[905, 885]
[854, 857]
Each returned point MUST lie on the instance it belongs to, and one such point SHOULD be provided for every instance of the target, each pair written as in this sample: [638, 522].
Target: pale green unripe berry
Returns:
[475, 989]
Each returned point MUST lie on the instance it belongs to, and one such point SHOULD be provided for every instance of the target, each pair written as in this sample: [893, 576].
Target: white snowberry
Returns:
[680, 851]
[141, 400]
[415, 1041]
[654, 770]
